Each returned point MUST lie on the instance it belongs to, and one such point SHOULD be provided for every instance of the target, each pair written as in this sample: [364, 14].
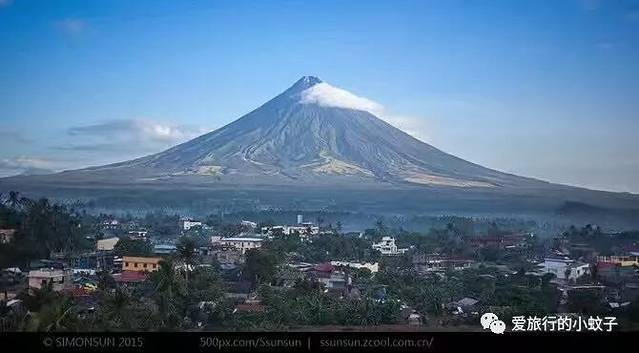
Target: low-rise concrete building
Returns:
[388, 247]
[59, 278]
[438, 263]
[242, 243]
[564, 268]
[373, 267]
[107, 244]
[188, 223]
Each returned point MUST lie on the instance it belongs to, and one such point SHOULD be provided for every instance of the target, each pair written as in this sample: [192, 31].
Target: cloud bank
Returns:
[132, 135]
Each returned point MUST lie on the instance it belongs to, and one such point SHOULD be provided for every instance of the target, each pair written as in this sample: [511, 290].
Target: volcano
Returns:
[318, 139]
[312, 133]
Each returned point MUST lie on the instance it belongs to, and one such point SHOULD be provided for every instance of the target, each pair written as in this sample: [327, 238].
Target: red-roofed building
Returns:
[250, 308]
[130, 277]
[324, 267]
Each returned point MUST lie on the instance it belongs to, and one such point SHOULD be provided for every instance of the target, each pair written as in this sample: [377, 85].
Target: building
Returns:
[302, 229]
[140, 264]
[564, 268]
[91, 261]
[107, 244]
[7, 235]
[439, 263]
[388, 247]
[327, 275]
[188, 223]
[60, 279]
[632, 259]
[130, 277]
[300, 219]
[110, 224]
[373, 267]
[222, 254]
[242, 243]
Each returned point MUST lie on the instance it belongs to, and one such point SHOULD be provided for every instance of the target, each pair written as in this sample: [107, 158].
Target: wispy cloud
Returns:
[26, 165]
[133, 135]
[326, 95]
[4, 3]
[72, 27]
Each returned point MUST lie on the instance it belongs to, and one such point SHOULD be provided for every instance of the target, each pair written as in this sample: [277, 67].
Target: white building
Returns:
[188, 223]
[373, 267]
[302, 229]
[107, 244]
[388, 247]
[564, 268]
[242, 243]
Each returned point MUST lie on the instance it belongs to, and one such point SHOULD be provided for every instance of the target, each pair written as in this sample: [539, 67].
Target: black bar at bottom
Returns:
[183, 342]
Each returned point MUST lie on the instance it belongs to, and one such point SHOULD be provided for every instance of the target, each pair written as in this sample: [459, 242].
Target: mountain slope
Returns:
[292, 139]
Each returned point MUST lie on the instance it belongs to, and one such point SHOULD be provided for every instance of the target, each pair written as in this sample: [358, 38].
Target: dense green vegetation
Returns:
[42, 229]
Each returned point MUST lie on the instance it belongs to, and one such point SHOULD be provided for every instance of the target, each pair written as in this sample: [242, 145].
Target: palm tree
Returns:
[169, 290]
[186, 253]
[117, 309]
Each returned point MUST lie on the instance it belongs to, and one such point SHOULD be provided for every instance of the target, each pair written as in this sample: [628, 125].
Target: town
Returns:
[64, 269]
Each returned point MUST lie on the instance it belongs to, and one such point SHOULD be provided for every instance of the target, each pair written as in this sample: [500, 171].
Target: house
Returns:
[130, 277]
[60, 279]
[110, 224]
[615, 274]
[249, 308]
[373, 267]
[242, 243]
[439, 263]
[303, 229]
[564, 268]
[326, 274]
[188, 223]
[91, 261]
[140, 264]
[388, 247]
[222, 254]
[632, 259]
[7, 235]
[107, 244]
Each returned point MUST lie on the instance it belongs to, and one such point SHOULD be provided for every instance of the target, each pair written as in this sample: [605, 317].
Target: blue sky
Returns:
[548, 89]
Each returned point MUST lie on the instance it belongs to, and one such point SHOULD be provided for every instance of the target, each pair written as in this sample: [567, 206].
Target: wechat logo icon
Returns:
[492, 322]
